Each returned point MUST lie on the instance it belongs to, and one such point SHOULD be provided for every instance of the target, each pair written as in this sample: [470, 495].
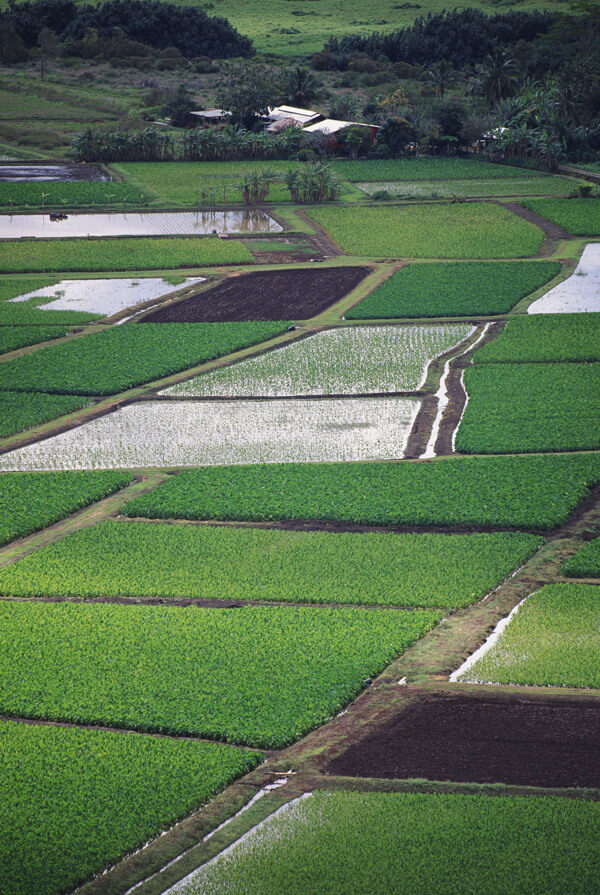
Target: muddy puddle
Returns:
[201, 223]
[64, 173]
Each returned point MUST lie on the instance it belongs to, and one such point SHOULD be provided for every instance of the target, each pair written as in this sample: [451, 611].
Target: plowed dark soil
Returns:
[265, 295]
[535, 742]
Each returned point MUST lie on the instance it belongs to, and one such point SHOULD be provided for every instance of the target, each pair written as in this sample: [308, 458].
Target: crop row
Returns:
[350, 360]
[552, 640]
[126, 253]
[13, 337]
[581, 217]
[74, 801]
[22, 410]
[464, 490]
[161, 560]
[474, 230]
[71, 195]
[530, 407]
[586, 563]
[545, 337]
[30, 501]
[412, 844]
[206, 433]
[262, 676]
[124, 356]
[453, 290]
[469, 188]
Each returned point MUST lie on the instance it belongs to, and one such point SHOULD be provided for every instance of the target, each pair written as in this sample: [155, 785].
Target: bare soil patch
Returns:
[515, 740]
[264, 295]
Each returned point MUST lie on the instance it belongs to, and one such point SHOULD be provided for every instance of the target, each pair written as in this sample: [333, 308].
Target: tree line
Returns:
[153, 23]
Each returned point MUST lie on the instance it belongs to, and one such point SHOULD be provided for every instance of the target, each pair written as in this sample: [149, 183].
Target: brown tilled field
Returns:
[265, 295]
[514, 740]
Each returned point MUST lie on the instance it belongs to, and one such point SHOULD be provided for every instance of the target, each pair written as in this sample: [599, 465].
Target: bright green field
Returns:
[474, 230]
[336, 843]
[68, 195]
[530, 407]
[448, 290]
[29, 312]
[580, 217]
[30, 501]
[137, 559]
[553, 640]
[125, 253]
[463, 490]
[74, 801]
[13, 337]
[262, 676]
[124, 356]
[21, 410]
[586, 563]
[434, 168]
[545, 337]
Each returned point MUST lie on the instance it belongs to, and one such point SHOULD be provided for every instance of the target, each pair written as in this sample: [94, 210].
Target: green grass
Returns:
[454, 290]
[22, 410]
[126, 253]
[502, 492]
[545, 337]
[74, 801]
[13, 337]
[581, 217]
[474, 230]
[586, 563]
[84, 194]
[162, 560]
[261, 675]
[32, 500]
[552, 641]
[530, 407]
[337, 843]
[124, 356]
[30, 311]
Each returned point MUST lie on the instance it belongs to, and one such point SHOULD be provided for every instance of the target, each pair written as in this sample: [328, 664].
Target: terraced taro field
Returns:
[292, 554]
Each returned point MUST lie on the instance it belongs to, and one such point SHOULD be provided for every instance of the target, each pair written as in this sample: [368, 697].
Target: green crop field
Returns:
[464, 490]
[337, 843]
[125, 356]
[530, 407]
[261, 675]
[126, 253]
[137, 559]
[30, 501]
[581, 217]
[74, 801]
[545, 337]
[13, 337]
[474, 230]
[552, 641]
[22, 410]
[430, 169]
[454, 290]
[83, 194]
[345, 360]
[586, 563]
[30, 311]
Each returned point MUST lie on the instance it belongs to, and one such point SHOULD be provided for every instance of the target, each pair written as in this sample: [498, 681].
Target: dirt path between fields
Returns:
[553, 232]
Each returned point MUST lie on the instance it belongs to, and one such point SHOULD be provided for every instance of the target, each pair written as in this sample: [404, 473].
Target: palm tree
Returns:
[441, 75]
[301, 85]
[497, 75]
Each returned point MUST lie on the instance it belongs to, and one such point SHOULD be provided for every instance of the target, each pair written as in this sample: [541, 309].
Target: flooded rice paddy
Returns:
[63, 173]
[156, 223]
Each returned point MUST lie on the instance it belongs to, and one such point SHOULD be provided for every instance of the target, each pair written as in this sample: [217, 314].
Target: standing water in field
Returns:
[104, 296]
[157, 223]
[579, 293]
[63, 173]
